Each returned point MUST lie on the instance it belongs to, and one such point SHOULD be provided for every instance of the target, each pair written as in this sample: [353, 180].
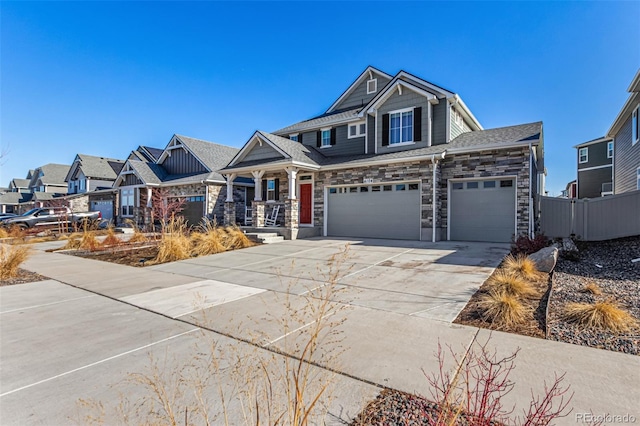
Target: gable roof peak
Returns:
[368, 72]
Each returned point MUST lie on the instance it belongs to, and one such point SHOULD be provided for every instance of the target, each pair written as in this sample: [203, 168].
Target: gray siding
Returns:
[456, 129]
[95, 183]
[182, 162]
[408, 99]
[263, 152]
[309, 138]
[371, 134]
[439, 132]
[344, 146]
[590, 182]
[597, 156]
[627, 160]
[359, 96]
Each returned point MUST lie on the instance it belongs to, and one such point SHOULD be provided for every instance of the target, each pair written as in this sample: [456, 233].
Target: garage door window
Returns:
[489, 184]
[506, 183]
[472, 185]
[458, 185]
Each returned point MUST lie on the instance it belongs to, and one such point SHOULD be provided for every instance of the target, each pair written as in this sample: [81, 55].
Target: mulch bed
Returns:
[136, 256]
[392, 407]
[535, 326]
[23, 277]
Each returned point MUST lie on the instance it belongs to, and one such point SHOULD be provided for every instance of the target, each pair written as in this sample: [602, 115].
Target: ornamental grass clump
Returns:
[592, 288]
[4, 233]
[111, 240]
[138, 236]
[502, 309]
[600, 315]
[508, 282]
[175, 243]
[209, 239]
[522, 266]
[237, 239]
[10, 260]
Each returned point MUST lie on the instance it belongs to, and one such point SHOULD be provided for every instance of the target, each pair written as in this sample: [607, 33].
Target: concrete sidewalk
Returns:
[389, 348]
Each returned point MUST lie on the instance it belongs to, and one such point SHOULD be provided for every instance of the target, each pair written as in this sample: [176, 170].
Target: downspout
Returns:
[530, 199]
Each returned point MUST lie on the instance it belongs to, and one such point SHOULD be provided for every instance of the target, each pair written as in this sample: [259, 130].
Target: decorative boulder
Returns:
[545, 259]
[568, 249]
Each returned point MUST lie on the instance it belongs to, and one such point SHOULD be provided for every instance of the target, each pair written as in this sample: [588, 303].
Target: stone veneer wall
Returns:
[491, 163]
[410, 171]
[79, 203]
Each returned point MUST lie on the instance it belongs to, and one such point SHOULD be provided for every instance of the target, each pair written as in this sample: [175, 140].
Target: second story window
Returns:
[372, 86]
[357, 130]
[326, 138]
[401, 127]
[583, 155]
[295, 137]
[610, 150]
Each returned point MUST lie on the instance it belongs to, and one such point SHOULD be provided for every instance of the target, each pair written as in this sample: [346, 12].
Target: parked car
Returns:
[51, 216]
[4, 216]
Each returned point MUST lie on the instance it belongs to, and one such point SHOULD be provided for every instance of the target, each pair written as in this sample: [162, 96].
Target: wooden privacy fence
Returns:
[591, 219]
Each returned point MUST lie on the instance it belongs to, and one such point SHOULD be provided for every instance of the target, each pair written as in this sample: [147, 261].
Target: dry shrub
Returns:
[210, 239]
[592, 288]
[511, 284]
[502, 308]
[237, 238]
[16, 231]
[600, 315]
[522, 266]
[175, 243]
[4, 233]
[89, 241]
[111, 239]
[11, 259]
[138, 236]
[73, 241]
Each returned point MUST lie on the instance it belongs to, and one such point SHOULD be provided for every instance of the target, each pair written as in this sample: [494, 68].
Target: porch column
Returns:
[257, 180]
[258, 213]
[292, 172]
[230, 178]
[148, 211]
[149, 197]
[291, 217]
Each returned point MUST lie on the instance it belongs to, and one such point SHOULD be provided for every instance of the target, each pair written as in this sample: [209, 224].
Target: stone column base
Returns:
[258, 213]
[229, 213]
[291, 217]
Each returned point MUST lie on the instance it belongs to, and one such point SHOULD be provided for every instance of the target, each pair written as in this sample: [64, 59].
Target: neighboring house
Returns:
[19, 185]
[186, 169]
[625, 132]
[49, 178]
[595, 168]
[15, 202]
[571, 190]
[90, 180]
[146, 153]
[395, 157]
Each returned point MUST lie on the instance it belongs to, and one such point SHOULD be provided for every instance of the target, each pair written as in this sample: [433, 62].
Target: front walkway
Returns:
[395, 320]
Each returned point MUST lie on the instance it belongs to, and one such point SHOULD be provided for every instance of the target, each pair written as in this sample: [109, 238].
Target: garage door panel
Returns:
[374, 214]
[105, 207]
[483, 214]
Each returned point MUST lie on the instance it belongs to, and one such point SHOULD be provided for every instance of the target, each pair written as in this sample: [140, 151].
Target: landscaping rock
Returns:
[567, 249]
[545, 259]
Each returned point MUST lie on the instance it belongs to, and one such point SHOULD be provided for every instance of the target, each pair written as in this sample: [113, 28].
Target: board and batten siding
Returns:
[182, 162]
[359, 96]
[627, 160]
[130, 180]
[408, 99]
[263, 152]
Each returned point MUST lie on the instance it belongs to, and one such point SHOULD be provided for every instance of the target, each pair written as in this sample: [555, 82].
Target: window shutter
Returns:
[264, 190]
[385, 130]
[300, 137]
[333, 136]
[318, 138]
[417, 124]
[277, 192]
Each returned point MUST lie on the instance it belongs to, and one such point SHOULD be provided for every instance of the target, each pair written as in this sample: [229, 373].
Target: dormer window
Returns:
[294, 137]
[372, 86]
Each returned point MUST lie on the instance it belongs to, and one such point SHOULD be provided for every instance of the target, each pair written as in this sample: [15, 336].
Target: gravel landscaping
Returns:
[608, 265]
[23, 277]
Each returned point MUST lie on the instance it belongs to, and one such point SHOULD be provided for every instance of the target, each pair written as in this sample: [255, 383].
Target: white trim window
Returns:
[357, 130]
[401, 126]
[83, 184]
[457, 118]
[325, 138]
[295, 137]
[583, 155]
[372, 86]
[126, 202]
[638, 178]
[635, 126]
[271, 189]
[610, 149]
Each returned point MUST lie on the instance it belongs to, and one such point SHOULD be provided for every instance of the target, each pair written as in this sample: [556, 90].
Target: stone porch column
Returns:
[229, 213]
[258, 213]
[291, 217]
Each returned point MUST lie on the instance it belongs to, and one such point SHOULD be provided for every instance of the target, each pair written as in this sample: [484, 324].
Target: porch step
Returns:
[265, 237]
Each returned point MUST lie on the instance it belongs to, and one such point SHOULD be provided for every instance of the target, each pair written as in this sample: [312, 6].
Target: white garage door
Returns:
[103, 206]
[375, 211]
[483, 210]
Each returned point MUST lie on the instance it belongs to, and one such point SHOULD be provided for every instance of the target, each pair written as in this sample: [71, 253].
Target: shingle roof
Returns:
[296, 150]
[319, 121]
[530, 132]
[53, 174]
[155, 152]
[100, 167]
[15, 198]
[20, 183]
[150, 173]
[214, 156]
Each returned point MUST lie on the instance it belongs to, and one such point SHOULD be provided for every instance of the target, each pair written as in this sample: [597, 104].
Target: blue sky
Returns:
[101, 78]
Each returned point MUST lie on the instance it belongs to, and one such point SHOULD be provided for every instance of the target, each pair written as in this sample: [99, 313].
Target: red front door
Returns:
[305, 204]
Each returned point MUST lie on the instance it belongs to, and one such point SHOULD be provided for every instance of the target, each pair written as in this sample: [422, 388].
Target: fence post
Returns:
[573, 217]
[585, 220]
